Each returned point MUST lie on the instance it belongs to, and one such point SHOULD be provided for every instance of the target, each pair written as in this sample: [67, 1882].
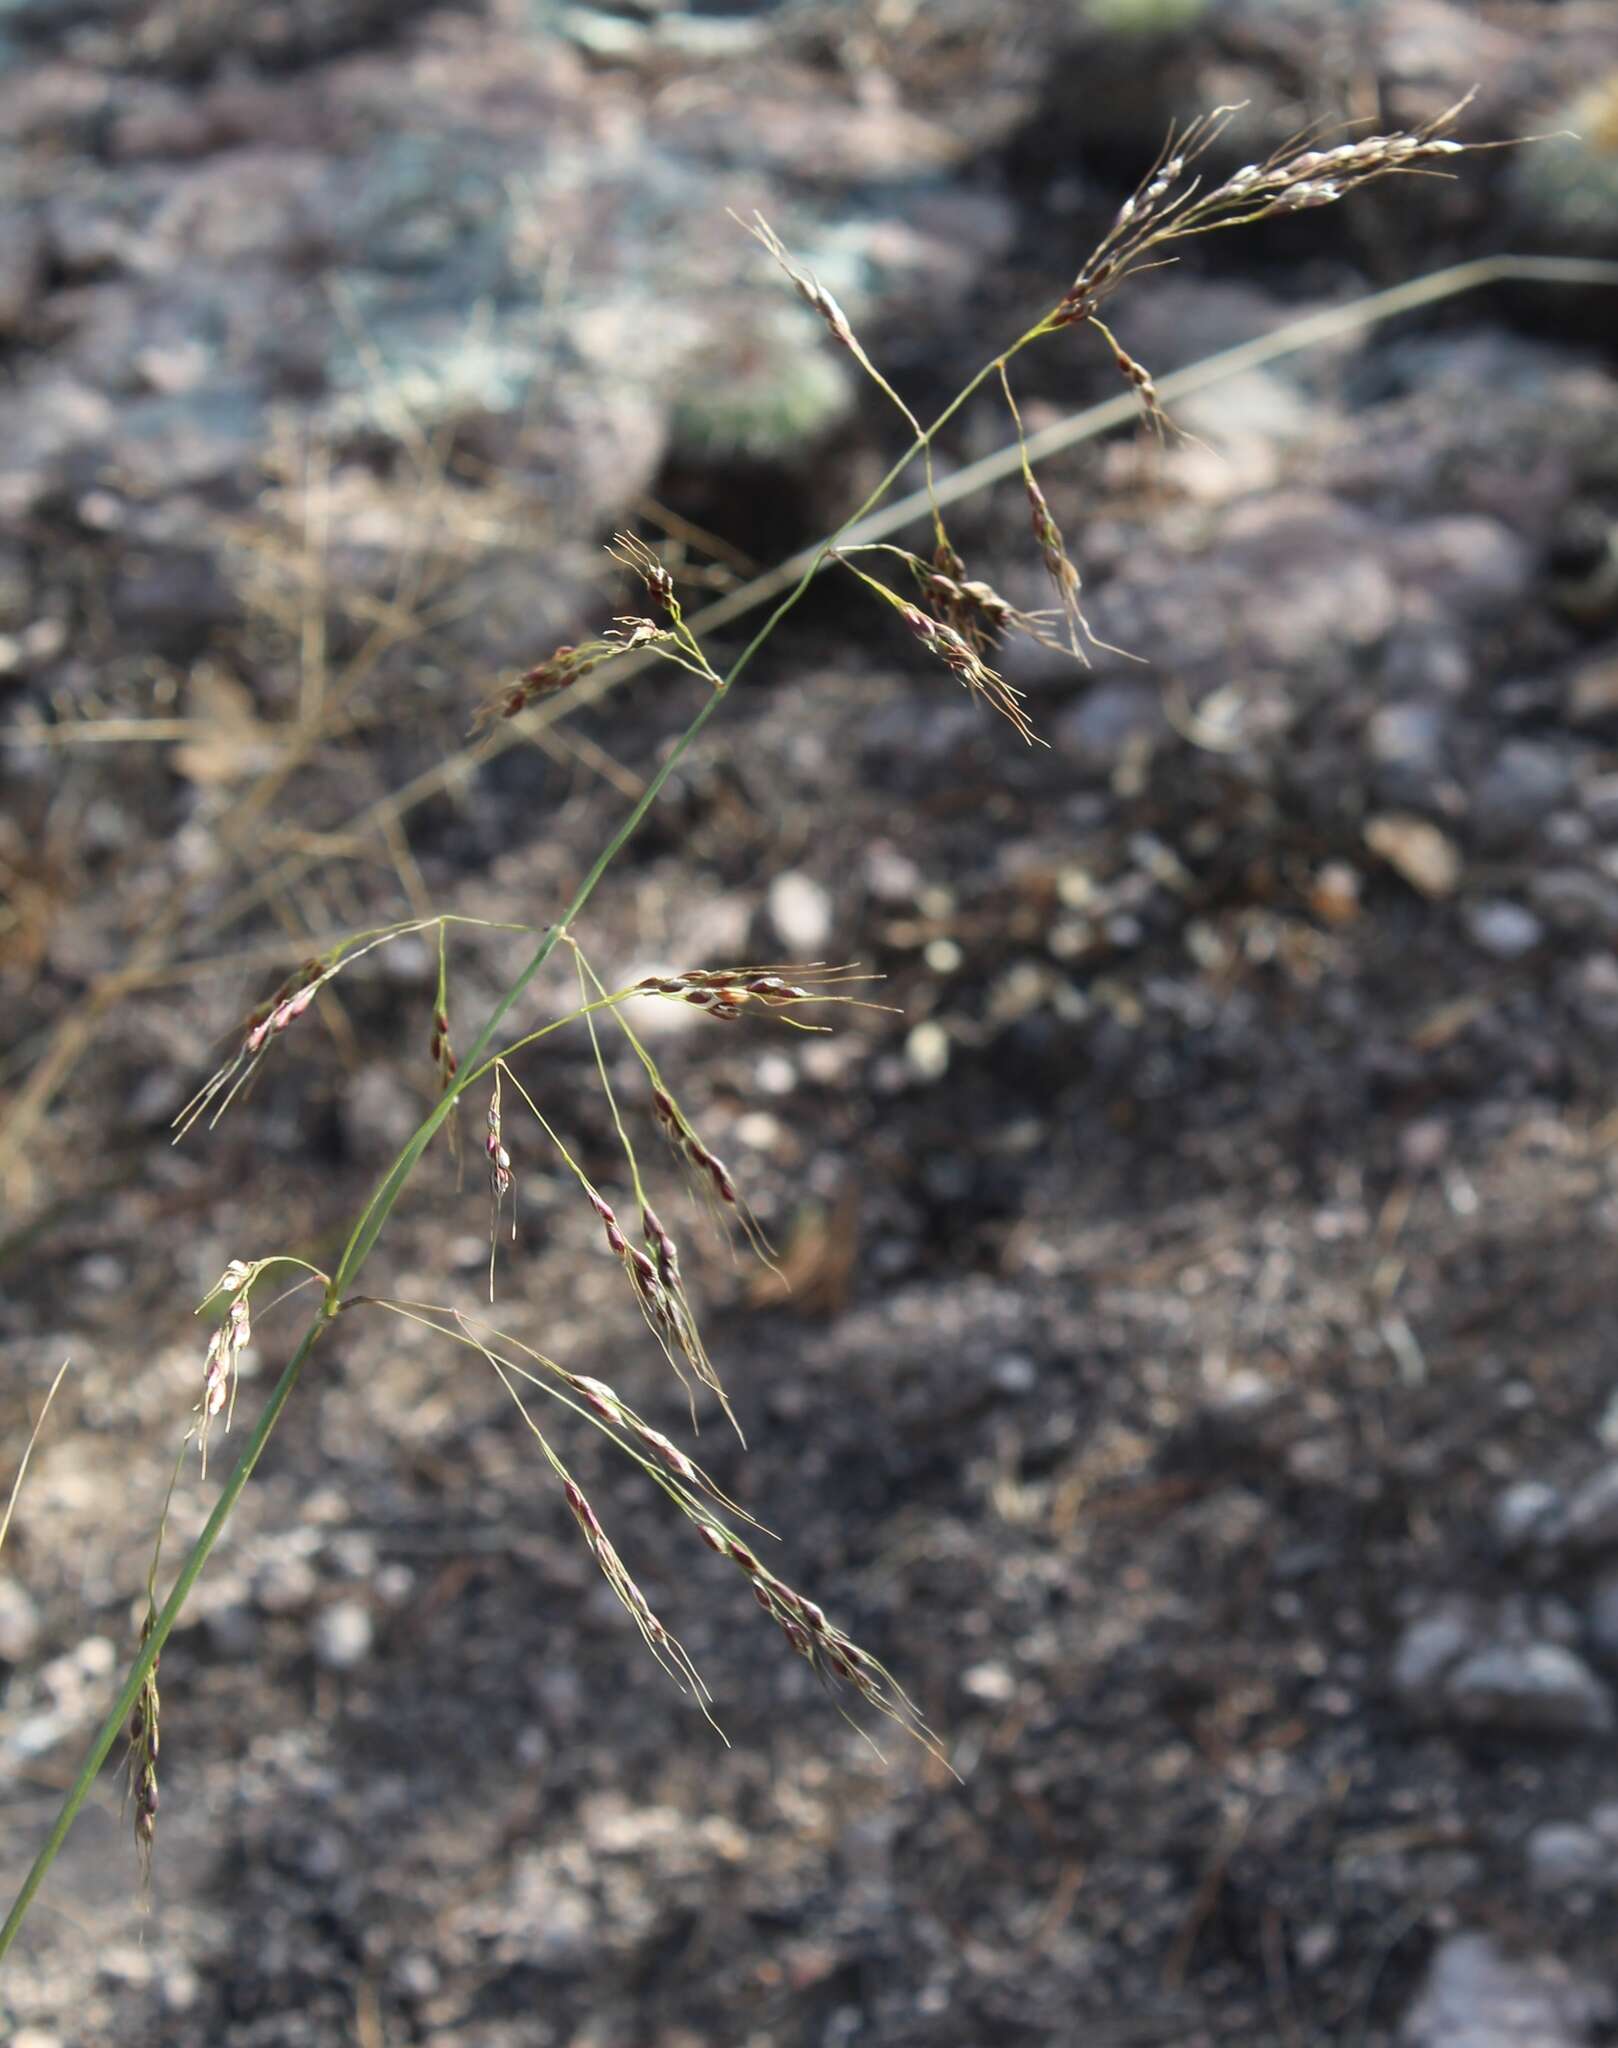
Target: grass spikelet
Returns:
[686, 1483]
[502, 1179]
[292, 999]
[1170, 205]
[221, 1371]
[841, 1665]
[140, 1762]
[957, 654]
[441, 1050]
[664, 1645]
[728, 992]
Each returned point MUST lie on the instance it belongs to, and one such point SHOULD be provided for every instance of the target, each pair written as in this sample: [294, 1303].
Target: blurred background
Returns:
[1196, 1377]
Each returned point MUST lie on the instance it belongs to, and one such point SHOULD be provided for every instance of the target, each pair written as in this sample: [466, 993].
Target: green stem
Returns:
[190, 1571]
[354, 1256]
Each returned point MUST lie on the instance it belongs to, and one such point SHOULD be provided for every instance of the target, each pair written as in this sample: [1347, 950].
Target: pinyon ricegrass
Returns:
[960, 620]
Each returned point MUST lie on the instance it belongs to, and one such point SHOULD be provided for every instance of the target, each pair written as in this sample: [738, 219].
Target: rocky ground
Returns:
[1196, 1375]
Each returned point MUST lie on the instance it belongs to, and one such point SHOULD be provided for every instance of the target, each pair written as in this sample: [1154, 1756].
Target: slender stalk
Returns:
[190, 1571]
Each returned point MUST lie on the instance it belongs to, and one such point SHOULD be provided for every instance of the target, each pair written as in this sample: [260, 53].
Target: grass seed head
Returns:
[140, 1761]
[836, 1659]
[637, 557]
[442, 1052]
[1170, 205]
[221, 1368]
[664, 1646]
[969, 668]
[808, 287]
[559, 671]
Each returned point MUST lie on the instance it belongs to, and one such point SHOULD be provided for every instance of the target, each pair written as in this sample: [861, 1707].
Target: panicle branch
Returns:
[839, 1662]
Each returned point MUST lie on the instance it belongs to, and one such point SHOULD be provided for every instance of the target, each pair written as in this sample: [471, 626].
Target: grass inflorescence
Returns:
[958, 620]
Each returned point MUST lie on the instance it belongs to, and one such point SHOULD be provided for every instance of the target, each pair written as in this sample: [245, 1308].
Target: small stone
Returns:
[992, 1683]
[893, 877]
[1561, 1854]
[1407, 744]
[1594, 695]
[342, 1635]
[1427, 1648]
[1592, 1513]
[1423, 1144]
[179, 1987]
[1537, 1688]
[1417, 850]
[1523, 785]
[19, 1623]
[1600, 798]
[415, 1975]
[1476, 1996]
[1475, 567]
[286, 1585]
[801, 912]
[1601, 1619]
[1503, 930]
[927, 1051]
[1016, 1374]
[1575, 900]
[1525, 1515]
[1409, 735]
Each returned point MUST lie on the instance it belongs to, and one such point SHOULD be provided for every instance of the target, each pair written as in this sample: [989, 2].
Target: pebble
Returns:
[802, 914]
[1534, 1687]
[1601, 1618]
[1475, 1995]
[1526, 1514]
[1575, 900]
[927, 1051]
[19, 1623]
[1523, 784]
[1016, 1374]
[286, 1585]
[1600, 798]
[1417, 850]
[1503, 930]
[1592, 1514]
[342, 1635]
[992, 1683]
[1473, 566]
[1428, 1647]
[1561, 1854]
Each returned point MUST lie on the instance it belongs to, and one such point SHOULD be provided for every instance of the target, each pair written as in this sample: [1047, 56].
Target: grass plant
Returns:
[959, 620]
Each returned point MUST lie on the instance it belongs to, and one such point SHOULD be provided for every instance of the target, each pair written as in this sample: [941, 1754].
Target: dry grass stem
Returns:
[28, 1450]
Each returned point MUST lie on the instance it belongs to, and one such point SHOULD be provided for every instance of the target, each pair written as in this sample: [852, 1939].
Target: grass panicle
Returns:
[959, 620]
